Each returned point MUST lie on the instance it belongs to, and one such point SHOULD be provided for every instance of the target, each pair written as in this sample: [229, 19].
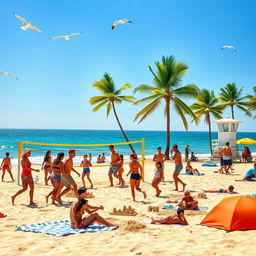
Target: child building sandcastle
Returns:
[71, 194]
[127, 211]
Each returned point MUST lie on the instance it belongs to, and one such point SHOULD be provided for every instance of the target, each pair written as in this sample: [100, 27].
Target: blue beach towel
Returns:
[175, 207]
[209, 164]
[191, 174]
[62, 228]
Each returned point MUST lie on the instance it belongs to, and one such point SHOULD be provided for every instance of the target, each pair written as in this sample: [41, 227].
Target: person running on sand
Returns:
[66, 178]
[135, 170]
[251, 173]
[86, 170]
[46, 166]
[226, 155]
[113, 169]
[26, 177]
[230, 190]
[121, 170]
[158, 175]
[178, 167]
[55, 177]
[76, 215]
[178, 218]
[6, 166]
[160, 157]
[190, 169]
[188, 202]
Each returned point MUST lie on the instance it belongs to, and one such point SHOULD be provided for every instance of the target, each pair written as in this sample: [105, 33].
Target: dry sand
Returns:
[133, 237]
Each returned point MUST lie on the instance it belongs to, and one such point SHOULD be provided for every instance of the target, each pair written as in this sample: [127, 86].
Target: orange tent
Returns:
[233, 213]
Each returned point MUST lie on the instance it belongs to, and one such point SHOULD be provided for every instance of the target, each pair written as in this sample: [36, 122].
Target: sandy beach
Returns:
[133, 237]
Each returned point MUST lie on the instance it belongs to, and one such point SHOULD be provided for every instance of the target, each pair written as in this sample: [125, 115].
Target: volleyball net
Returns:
[95, 152]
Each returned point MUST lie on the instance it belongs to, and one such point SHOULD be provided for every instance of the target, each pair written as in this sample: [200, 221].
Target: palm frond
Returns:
[97, 99]
[123, 87]
[99, 106]
[143, 88]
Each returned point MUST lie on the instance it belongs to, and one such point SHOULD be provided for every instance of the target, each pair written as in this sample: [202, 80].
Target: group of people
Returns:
[101, 159]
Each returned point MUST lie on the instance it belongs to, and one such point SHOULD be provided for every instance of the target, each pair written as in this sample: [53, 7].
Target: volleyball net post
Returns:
[94, 151]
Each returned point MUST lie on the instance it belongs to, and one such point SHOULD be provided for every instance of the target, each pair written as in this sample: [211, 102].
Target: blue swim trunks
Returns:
[178, 168]
[113, 169]
[86, 170]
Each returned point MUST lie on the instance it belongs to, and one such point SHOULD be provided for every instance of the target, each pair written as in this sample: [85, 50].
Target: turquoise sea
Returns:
[198, 141]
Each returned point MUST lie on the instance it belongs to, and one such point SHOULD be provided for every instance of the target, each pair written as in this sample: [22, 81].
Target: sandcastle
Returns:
[71, 194]
[202, 195]
[126, 211]
[153, 209]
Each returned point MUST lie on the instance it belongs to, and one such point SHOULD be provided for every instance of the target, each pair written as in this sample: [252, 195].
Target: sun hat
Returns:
[25, 151]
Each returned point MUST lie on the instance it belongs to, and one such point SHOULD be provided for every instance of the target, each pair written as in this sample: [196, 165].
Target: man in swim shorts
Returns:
[113, 169]
[66, 178]
[226, 155]
[178, 167]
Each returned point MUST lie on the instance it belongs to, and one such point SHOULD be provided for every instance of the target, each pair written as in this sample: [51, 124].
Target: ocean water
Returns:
[198, 141]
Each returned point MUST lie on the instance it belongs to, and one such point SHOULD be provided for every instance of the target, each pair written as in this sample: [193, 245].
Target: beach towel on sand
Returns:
[62, 228]
[175, 207]
[191, 174]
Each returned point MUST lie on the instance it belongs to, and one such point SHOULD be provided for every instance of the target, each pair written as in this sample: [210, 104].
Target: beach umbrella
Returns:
[246, 141]
[233, 213]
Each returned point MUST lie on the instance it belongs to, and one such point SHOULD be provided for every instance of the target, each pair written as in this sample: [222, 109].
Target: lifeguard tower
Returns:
[227, 130]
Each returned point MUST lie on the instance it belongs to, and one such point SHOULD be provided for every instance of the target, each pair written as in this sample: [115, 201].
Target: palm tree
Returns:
[252, 101]
[207, 105]
[167, 88]
[232, 96]
[111, 96]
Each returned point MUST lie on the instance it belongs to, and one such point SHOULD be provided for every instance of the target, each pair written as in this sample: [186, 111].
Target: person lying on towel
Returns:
[230, 190]
[178, 218]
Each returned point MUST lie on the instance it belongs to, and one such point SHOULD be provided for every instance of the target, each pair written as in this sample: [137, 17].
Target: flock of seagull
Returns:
[28, 25]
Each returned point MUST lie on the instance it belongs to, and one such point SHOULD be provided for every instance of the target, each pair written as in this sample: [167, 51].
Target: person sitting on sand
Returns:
[135, 167]
[188, 202]
[248, 155]
[86, 164]
[76, 215]
[98, 159]
[6, 166]
[158, 175]
[190, 169]
[193, 157]
[251, 173]
[103, 158]
[178, 218]
[26, 177]
[230, 190]
[178, 167]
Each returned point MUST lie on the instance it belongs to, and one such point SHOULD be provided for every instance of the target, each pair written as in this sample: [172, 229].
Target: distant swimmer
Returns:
[27, 25]
[229, 47]
[8, 74]
[66, 37]
[123, 21]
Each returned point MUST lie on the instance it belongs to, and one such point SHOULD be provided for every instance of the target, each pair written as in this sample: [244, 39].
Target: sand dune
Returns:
[133, 237]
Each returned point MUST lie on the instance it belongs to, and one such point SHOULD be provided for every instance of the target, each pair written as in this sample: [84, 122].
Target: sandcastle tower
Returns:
[227, 132]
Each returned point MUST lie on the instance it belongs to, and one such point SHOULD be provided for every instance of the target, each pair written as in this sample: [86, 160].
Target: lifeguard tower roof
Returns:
[227, 120]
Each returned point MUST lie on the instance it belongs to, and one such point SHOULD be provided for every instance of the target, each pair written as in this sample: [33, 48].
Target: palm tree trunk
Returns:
[232, 111]
[210, 132]
[121, 128]
[168, 136]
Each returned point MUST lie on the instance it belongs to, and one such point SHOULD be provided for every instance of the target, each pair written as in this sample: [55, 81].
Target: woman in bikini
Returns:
[46, 166]
[121, 170]
[6, 166]
[190, 169]
[158, 175]
[135, 176]
[76, 215]
[55, 177]
[86, 164]
[26, 177]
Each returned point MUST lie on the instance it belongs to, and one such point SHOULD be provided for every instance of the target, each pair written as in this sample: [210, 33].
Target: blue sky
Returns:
[56, 75]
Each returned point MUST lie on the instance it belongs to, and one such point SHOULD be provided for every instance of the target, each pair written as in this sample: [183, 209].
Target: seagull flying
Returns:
[117, 22]
[27, 25]
[8, 74]
[229, 47]
[66, 37]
